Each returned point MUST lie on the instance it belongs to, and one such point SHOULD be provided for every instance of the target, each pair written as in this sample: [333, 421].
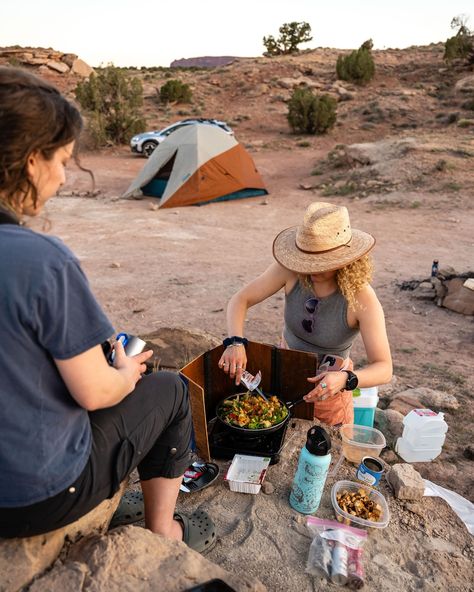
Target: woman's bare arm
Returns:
[371, 321]
[265, 285]
[275, 277]
[96, 385]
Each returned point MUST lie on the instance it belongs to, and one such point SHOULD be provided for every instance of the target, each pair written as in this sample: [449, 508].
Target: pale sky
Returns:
[154, 32]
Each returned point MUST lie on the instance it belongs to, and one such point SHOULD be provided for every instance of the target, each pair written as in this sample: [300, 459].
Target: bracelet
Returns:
[234, 340]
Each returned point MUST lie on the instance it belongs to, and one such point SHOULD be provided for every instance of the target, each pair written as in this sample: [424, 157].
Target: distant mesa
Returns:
[203, 62]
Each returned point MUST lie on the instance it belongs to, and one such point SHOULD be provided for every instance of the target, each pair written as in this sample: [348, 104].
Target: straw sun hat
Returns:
[324, 242]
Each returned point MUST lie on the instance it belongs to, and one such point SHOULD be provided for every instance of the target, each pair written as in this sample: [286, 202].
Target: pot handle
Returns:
[291, 404]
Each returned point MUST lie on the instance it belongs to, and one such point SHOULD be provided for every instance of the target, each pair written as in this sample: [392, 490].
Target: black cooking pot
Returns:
[243, 430]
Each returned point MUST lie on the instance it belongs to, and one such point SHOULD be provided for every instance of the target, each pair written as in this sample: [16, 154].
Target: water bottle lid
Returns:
[318, 441]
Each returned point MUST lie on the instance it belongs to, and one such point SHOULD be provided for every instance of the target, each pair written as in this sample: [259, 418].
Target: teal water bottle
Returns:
[310, 476]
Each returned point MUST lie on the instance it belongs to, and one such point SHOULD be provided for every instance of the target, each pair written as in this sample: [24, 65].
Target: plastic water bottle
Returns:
[310, 476]
[434, 268]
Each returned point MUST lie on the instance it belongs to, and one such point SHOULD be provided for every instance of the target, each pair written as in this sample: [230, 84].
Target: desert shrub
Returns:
[468, 105]
[291, 35]
[309, 113]
[175, 91]
[461, 45]
[112, 103]
[466, 123]
[358, 66]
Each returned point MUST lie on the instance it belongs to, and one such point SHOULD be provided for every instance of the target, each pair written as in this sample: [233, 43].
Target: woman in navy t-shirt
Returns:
[73, 426]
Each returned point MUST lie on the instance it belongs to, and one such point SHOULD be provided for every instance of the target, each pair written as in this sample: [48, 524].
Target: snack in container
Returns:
[375, 506]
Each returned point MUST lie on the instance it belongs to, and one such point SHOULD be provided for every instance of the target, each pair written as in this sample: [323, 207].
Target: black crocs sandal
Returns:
[129, 510]
[199, 531]
[198, 476]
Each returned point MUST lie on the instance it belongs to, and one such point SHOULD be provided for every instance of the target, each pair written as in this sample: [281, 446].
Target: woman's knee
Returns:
[170, 392]
[172, 384]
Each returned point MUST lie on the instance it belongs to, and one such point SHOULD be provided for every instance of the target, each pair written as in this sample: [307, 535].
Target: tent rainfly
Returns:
[197, 164]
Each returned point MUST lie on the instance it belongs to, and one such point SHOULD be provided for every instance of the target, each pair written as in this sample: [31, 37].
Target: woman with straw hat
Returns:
[325, 269]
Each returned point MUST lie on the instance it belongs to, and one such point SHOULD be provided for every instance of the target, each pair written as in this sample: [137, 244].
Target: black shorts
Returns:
[149, 430]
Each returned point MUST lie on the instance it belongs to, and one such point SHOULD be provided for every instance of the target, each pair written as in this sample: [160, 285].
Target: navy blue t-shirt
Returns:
[47, 312]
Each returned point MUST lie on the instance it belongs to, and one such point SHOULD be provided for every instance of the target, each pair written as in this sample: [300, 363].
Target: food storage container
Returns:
[424, 433]
[351, 520]
[359, 441]
[246, 473]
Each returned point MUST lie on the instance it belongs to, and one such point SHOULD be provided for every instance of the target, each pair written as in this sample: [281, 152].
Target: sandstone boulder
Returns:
[422, 397]
[406, 482]
[424, 291]
[390, 423]
[132, 558]
[375, 152]
[459, 298]
[80, 68]
[465, 85]
[21, 560]
[60, 67]
[405, 402]
[175, 347]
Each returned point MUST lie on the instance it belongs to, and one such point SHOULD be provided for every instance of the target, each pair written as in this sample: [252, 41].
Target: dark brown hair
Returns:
[34, 116]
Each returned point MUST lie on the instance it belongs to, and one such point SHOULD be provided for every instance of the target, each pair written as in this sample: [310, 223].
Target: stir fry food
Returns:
[357, 503]
[253, 412]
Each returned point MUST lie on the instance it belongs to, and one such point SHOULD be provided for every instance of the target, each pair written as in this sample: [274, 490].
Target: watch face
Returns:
[352, 381]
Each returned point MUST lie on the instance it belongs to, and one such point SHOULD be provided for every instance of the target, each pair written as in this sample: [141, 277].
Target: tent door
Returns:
[156, 187]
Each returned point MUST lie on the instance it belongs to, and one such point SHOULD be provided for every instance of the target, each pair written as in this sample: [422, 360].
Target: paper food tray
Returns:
[246, 473]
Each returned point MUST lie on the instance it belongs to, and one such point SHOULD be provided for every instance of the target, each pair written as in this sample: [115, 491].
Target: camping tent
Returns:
[198, 164]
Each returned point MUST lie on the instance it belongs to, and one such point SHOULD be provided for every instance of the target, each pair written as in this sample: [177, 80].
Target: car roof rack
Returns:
[200, 119]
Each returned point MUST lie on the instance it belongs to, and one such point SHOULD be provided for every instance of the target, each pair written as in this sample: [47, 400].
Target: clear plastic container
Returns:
[365, 402]
[351, 520]
[359, 441]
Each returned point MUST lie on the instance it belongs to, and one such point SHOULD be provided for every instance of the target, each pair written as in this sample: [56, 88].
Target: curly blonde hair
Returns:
[350, 279]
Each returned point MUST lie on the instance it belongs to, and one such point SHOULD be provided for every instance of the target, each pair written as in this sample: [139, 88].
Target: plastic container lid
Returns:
[349, 519]
[365, 397]
[426, 420]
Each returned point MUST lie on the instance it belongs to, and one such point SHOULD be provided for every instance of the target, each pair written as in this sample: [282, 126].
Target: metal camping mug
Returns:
[132, 345]
[370, 471]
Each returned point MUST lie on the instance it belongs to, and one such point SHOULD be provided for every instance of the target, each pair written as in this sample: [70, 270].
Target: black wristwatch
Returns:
[352, 381]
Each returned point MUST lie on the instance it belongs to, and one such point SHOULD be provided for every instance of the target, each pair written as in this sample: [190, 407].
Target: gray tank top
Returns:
[324, 331]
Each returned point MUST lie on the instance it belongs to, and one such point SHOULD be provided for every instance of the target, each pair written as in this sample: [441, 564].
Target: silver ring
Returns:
[225, 363]
[238, 367]
[323, 385]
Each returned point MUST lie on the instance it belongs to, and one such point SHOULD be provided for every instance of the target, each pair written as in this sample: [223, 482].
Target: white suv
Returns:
[145, 143]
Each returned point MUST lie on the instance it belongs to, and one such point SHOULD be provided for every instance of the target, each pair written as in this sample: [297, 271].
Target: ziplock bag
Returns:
[336, 550]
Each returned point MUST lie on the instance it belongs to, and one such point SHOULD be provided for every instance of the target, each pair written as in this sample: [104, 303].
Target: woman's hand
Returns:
[131, 368]
[233, 361]
[327, 385]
